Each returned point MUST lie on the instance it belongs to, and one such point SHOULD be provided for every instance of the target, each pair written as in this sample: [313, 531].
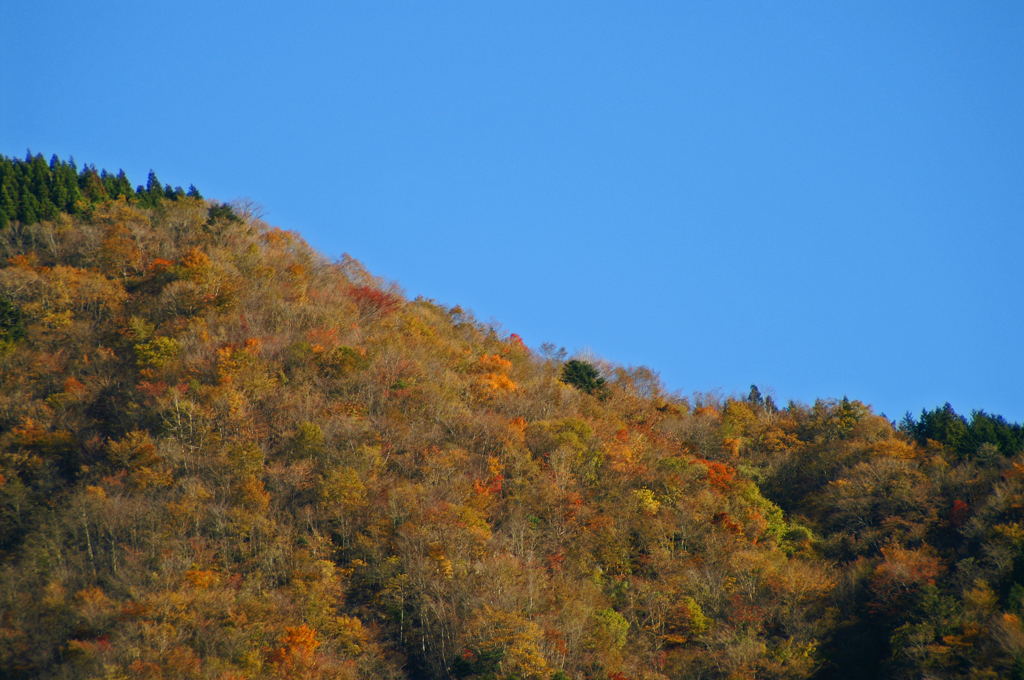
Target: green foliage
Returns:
[342, 361]
[942, 425]
[583, 376]
[697, 621]
[222, 211]
[308, 440]
[612, 625]
[32, 190]
[775, 521]
[12, 327]
[961, 437]
[157, 352]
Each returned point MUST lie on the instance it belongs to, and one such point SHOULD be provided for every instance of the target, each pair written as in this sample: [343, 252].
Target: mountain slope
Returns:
[223, 455]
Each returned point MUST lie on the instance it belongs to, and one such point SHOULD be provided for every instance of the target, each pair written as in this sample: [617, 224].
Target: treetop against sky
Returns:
[822, 200]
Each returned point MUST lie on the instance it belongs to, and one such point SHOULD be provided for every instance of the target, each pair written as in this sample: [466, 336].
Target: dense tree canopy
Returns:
[223, 455]
[34, 190]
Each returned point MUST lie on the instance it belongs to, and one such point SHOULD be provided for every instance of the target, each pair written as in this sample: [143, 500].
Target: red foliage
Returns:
[133, 610]
[145, 669]
[745, 614]
[372, 300]
[723, 519]
[557, 640]
[152, 390]
[325, 337]
[958, 515]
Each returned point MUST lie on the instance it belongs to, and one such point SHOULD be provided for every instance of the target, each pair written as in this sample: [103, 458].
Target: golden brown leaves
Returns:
[495, 374]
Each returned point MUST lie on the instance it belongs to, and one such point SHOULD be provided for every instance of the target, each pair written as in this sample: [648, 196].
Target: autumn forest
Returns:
[224, 455]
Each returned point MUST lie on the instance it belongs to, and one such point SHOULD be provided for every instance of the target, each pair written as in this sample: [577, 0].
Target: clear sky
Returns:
[822, 198]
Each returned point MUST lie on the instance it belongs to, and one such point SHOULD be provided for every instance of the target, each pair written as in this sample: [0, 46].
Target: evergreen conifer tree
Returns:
[28, 212]
[8, 206]
[91, 185]
[153, 193]
[583, 376]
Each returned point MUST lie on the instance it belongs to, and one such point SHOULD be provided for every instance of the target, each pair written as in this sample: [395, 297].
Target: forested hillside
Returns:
[223, 455]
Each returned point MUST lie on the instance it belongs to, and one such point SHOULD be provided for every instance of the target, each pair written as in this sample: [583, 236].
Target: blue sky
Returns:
[824, 199]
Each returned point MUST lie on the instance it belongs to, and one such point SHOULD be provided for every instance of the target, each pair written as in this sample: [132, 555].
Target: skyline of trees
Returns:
[32, 190]
[223, 455]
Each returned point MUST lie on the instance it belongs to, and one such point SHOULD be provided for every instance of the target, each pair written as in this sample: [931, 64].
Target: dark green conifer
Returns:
[11, 323]
[583, 376]
[153, 192]
[118, 186]
[91, 184]
[8, 206]
[28, 206]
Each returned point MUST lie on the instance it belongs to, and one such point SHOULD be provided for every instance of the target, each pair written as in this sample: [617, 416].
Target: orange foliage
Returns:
[902, 571]
[495, 378]
[194, 259]
[159, 265]
[297, 646]
[720, 475]
[494, 363]
[24, 261]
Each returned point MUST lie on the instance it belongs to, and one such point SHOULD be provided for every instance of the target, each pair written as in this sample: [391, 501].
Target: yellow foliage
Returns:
[896, 448]
[518, 638]
[145, 477]
[738, 419]
[252, 494]
[157, 352]
[96, 492]
[350, 634]
[981, 598]
[202, 578]
[1014, 532]
[342, 490]
[439, 556]
[698, 622]
[646, 501]
[55, 320]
